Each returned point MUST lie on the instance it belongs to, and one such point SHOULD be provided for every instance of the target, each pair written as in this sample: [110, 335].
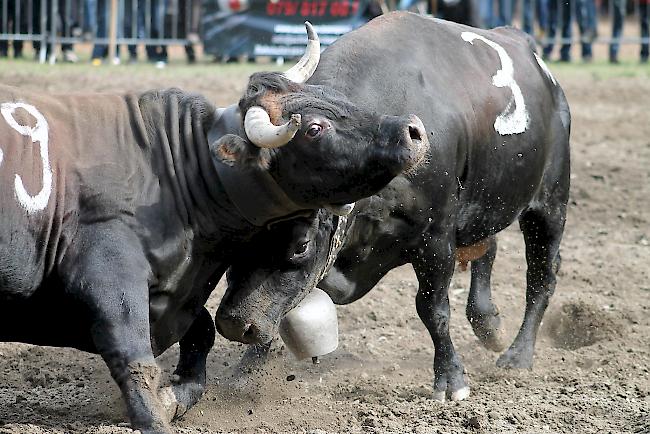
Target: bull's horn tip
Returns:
[311, 32]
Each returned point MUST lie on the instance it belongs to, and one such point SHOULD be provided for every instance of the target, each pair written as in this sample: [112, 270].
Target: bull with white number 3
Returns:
[498, 125]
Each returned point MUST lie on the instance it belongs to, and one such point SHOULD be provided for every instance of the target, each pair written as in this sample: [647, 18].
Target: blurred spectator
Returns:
[586, 16]
[16, 23]
[63, 27]
[553, 18]
[189, 16]
[100, 21]
[503, 17]
[540, 10]
[617, 29]
[460, 11]
[157, 53]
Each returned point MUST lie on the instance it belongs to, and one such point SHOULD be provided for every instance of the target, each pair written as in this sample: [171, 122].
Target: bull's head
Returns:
[272, 274]
[276, 270]
[314, 143]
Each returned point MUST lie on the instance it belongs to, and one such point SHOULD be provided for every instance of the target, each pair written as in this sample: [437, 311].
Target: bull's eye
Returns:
[301, 250]
[314, 131]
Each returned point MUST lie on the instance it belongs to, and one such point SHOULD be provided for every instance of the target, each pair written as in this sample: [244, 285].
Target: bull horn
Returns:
[261, 131]
[304, 69]
[340, 210]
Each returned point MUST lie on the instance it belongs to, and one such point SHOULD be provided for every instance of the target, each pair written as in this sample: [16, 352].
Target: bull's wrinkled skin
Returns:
[138, 228]
[473, 184]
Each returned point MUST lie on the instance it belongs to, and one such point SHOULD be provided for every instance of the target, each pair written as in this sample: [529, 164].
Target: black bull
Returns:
[116, 225]
[499, 151]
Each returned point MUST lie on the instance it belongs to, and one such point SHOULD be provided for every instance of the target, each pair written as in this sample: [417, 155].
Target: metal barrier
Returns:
[175, 22]
[101, 22]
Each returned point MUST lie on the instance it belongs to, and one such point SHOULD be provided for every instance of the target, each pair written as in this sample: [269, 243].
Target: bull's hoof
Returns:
[178, 398]
[516, 359]
[492, 339]
[487, 328]
[457, 395]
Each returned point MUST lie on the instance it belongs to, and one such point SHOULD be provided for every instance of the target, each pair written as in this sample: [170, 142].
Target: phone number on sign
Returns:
[317, 8]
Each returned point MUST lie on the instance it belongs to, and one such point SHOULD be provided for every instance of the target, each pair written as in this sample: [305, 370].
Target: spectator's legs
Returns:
[65, 21]
[565, 50]
[644, 7]
[23, 28]
[90, 17]
[527, 15]
[585, 24]
[131, 27]
[505, 12]
[487, 13]
[157, 30]
[4, 45]
[100, 50]
[542, 14]
[552, 27]
[617, 29]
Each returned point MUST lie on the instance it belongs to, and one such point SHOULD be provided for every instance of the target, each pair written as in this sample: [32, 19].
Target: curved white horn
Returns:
[261, 131]
[340, 210]
[304, 69]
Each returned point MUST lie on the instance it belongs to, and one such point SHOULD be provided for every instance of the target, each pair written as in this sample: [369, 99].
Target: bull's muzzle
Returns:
[407, 135]
[235, 328]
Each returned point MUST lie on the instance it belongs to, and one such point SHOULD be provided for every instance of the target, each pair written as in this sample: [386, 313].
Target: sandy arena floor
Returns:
[591, 372]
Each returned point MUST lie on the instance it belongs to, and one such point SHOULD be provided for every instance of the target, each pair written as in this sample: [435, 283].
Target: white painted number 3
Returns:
[39, 133]
[514, 119]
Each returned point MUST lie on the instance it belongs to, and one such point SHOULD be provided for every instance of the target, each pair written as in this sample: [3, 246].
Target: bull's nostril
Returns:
[415, 133]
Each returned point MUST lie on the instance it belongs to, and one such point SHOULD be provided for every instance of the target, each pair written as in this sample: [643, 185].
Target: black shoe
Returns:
[644, 59]
[613, 59]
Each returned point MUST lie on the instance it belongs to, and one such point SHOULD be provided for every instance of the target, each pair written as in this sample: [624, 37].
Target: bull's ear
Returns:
[234, 150]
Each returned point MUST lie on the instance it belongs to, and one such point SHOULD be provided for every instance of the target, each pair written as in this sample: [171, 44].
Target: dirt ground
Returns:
[591, 372]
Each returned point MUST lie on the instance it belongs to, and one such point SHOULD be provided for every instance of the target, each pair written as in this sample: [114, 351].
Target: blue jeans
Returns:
[158, 11]
[617, 28]
[553, 18]
[504, 16]
[541, 9]
[100, 22]
[586, 16]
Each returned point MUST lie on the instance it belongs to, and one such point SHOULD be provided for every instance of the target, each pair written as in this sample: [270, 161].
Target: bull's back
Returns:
[490, 107]
[58, 155]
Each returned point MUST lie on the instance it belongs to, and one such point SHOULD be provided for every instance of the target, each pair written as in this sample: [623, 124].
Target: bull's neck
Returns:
[177, 125]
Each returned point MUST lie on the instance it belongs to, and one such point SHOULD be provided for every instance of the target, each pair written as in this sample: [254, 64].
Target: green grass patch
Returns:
[601, 70]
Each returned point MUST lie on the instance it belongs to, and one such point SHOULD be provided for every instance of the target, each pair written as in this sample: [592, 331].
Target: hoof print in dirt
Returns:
[578, 324]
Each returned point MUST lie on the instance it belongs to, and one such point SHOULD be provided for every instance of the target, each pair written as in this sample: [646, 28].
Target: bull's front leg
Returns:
[434, 265]
[107, 274]
[189, 381]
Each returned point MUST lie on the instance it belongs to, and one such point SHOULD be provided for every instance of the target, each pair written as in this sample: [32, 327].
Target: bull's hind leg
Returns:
[188, 383]
[542, 228]
[482, 314]
[109, 278]
[434, 266]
